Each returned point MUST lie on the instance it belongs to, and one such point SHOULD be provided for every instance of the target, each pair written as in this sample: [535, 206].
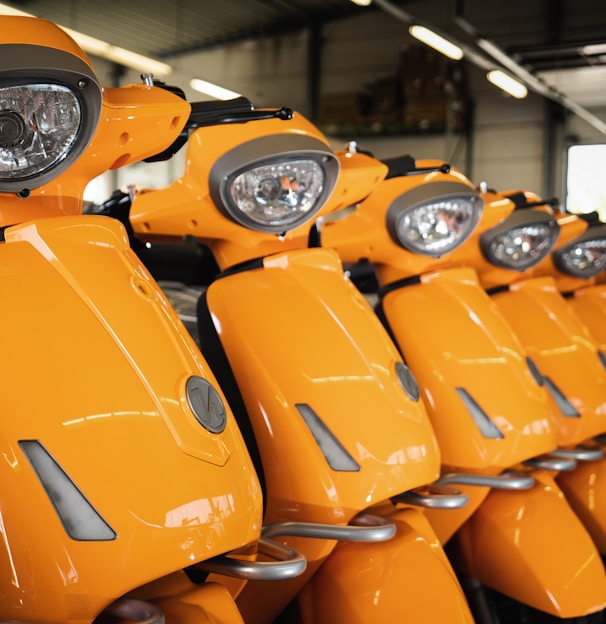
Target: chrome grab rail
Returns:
[551, 462]
[289, 564]
[579, 453]
[132, 610]
[363, 528]
[433, 496]
[508, 480]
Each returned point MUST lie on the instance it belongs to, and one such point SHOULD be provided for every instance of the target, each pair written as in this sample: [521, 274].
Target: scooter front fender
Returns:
[585, 490]
[408, 578]
[530, 546]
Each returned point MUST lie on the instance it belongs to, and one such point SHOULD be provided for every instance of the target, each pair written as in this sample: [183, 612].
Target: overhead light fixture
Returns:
[362, 2]
[507, 83]
[105, 50]
[437, 42]
[212, 89]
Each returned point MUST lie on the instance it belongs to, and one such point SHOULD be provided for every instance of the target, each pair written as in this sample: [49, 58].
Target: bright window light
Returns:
[435, 41]
[585, 182]
[507, 83]
[212, 89]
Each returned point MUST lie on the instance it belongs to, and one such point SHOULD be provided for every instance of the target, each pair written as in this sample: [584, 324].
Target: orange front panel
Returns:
[589, 304]
[408, 579]
[564, 351]
[94, 369]
[297, 332]
[530, 546]
[452, 336]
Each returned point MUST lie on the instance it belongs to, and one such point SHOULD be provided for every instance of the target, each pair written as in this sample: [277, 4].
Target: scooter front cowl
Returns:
[108, 444]
[545, 556]
[472, 371]
[324, 388]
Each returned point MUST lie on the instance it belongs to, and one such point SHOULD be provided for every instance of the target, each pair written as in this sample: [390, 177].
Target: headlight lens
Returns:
[38, 125]
[278, 195]
[585, 256]
[274, 183]
[520, 241]
[433, 219]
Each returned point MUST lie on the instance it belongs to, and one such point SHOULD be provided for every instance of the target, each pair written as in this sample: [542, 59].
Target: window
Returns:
[586, 179]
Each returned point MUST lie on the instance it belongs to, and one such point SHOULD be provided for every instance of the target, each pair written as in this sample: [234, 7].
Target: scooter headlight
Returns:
[49, 109]
[520, 241]
[275, 183]
[433, 219]
[585, 256]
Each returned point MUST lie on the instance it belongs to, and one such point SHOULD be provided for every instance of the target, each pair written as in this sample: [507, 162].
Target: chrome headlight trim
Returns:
[426, 196]
[266, 152]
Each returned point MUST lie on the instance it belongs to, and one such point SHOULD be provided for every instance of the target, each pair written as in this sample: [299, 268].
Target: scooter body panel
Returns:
[545, 557]
[589, 304]
[408, 578]
[83, 380]
[296, 332]
[563, 350]
[453, 337]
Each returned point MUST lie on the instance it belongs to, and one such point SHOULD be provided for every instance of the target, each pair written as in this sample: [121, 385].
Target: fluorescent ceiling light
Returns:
[507, 83]
[105, 50]
[435, 41]
[212, 89]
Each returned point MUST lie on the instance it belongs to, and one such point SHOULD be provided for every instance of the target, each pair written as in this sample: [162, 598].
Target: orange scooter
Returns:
[482, 393]
[126, 482]
[331, 412]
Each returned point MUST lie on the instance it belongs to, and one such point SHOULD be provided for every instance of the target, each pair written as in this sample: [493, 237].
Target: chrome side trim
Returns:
[579, 453]
[551, 462]
[363, 528]
[433, 496]
[288, 564]
[504, 481]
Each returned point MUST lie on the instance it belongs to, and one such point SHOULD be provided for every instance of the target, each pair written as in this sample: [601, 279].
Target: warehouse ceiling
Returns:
[541, 35]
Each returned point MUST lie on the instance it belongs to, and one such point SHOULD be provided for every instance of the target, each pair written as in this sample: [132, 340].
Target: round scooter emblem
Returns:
[206, 404]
